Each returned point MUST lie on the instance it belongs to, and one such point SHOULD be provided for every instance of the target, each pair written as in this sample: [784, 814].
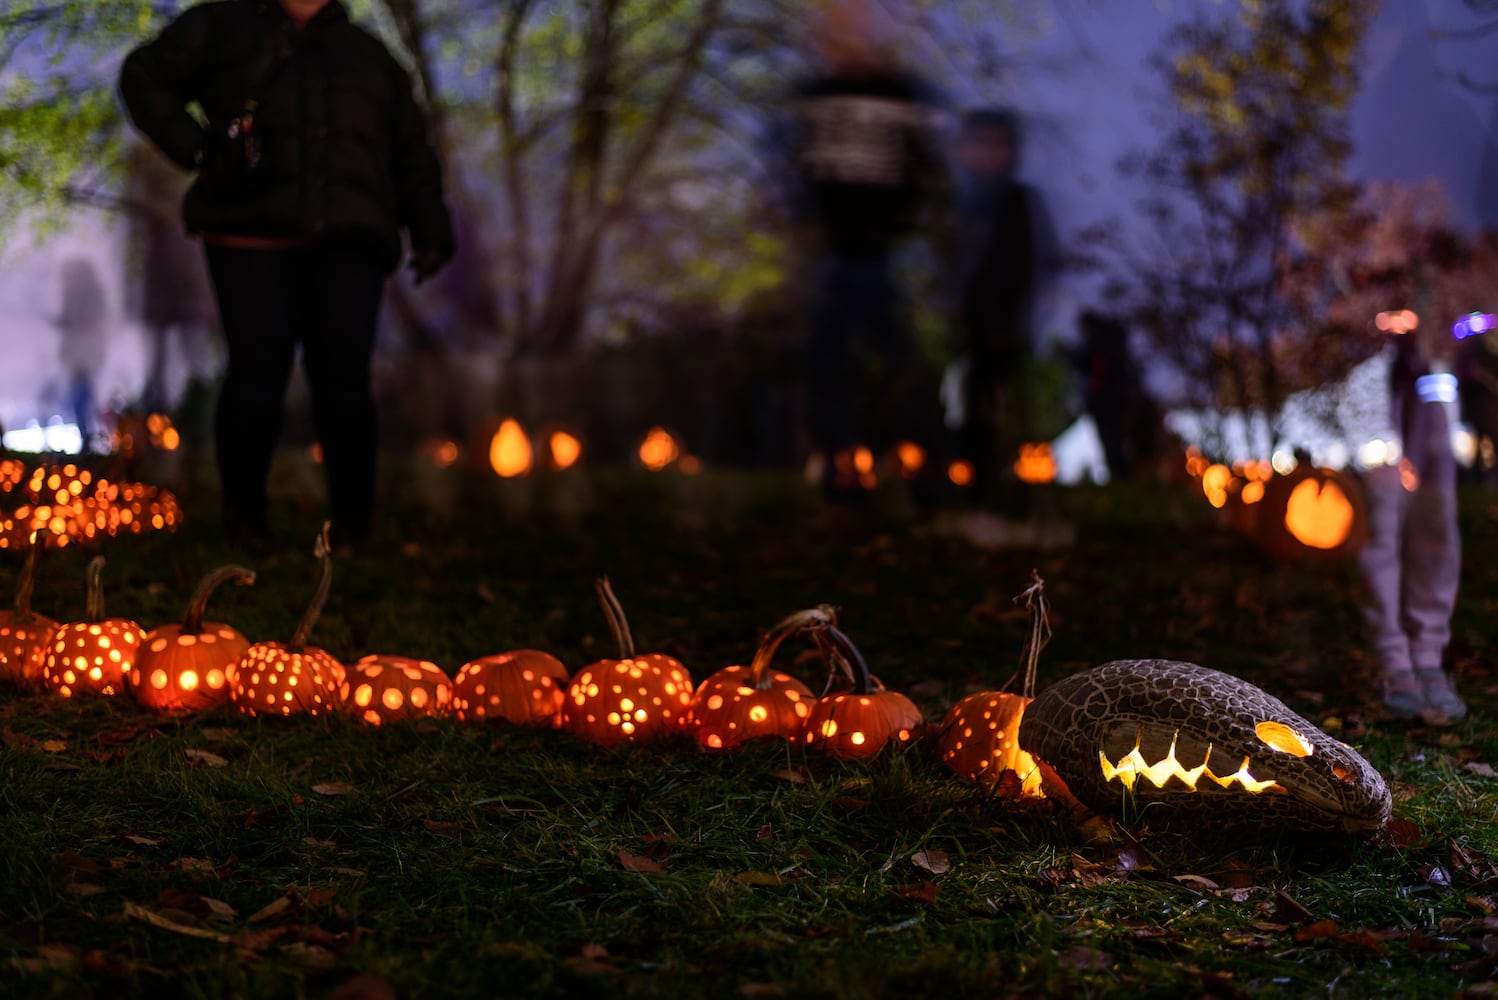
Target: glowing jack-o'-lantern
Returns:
[636, 698]
[186, 667]
[858, 723]
[524, 687]
[510, 452]
[24, 634]
[1035, 464]
[738, 704]
[1182, 743]
[380, 689]
[979, 737]
[292, 678]
[94, 655]
[1312, 512]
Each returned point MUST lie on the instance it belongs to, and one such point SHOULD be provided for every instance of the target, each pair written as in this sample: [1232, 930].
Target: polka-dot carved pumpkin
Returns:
[738, 704]
[637, 699]
[979, 740]
[380, 689]
[858, 723]
[185, 668]
[525, 687]
[292, 678]
[24, 634]
[95, 655]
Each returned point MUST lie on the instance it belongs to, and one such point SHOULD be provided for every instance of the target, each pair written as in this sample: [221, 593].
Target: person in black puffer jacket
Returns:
[299, 244]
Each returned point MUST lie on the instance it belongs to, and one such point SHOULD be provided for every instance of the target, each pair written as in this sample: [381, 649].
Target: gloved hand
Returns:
[427, 261]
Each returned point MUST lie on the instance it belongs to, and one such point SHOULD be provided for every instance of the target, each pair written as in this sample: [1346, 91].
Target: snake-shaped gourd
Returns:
[1174, 742]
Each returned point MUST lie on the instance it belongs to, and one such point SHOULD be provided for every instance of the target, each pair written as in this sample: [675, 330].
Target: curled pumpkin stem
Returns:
[1033, 599]
[614, 612]
[840, 652]
[807, 620]
[94, 575]
[192, 621]
[322, 550]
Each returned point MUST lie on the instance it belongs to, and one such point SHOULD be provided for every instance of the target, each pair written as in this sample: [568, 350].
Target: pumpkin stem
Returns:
[25, 583]
[95, 577]
[839, 649]
[1033, 598]
[810, 619]
[322, 550]
[614, 612]
[192, 622]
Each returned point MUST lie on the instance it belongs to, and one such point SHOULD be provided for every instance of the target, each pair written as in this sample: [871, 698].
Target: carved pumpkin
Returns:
[1310, 513]
[94, 655]
[524, 687]
[186, 667]
[1035, 464]
[738, 704]
[292, 678]
[380, 689]
[979, 740]
[858, 723]
[1179, 743]
[636, 698]
[979, 737]
[24, 634]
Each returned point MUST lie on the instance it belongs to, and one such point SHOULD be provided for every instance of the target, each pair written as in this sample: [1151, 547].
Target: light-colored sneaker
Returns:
[1404, 695]
[1440, 693]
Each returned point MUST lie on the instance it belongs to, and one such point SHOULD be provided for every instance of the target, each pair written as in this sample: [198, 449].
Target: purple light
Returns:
[1473, 324]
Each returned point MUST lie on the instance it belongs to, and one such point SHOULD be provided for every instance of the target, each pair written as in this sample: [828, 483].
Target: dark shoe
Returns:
[1404, 696]
[1440, 693]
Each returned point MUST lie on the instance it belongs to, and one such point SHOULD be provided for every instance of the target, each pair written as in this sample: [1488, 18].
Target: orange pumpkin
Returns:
[858, 723]
[94, 655]
[524, 687]
[185, 668]
[380, 689]
[738, 704]
[636, 698]
[24, 634]
[1312, 513]
[979, 740]
[292, 678]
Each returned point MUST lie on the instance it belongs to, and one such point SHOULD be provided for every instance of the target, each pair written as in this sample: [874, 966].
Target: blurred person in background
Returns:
[866, 162]
[313, 162]
[83, 343]
[1412, 561]
[997, 264]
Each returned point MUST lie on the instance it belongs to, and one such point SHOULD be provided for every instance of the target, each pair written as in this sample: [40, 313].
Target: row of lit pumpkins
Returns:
[199, 664]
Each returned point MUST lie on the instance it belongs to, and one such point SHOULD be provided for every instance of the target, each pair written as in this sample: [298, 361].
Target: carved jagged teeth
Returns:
[1132, 766]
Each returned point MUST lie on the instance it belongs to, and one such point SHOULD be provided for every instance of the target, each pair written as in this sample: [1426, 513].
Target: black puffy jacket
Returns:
[345, 143]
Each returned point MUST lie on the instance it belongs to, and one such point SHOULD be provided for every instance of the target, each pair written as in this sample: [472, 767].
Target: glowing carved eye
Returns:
[1284, 739]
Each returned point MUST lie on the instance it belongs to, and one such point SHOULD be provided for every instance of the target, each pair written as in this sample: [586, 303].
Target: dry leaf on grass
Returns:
[205, 758]
[933, 860]
[639, 863]
[333, 788]
[135, 911]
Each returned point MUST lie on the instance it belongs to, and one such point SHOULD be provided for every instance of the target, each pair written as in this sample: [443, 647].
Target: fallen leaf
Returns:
[765, 832]
[1401, 833]
[1133, 858]
[1200, 883]
[760, 878]
[313, 956]
[270, 910]
[1364, 938]
[83, 889]
[314, 842]
[192, 865]
[333, 788]
[1290, 910]
[205, 758]
[639, 863]
[920, 892]
[1436, 875]
[1315, 932]
[135, 911]
[54, 746]
[17, 741]
[1053, 878]
[1479, 768]
[443, 826]
[933, 860]
[218, 734]
[792, 774]
[220, 910]
[1085, 958]
[61, 765]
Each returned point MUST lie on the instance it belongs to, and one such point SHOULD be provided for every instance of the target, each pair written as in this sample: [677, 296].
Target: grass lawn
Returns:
[325, 857]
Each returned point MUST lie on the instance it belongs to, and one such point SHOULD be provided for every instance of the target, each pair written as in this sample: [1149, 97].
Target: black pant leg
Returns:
[338, 338]
[256, 292]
